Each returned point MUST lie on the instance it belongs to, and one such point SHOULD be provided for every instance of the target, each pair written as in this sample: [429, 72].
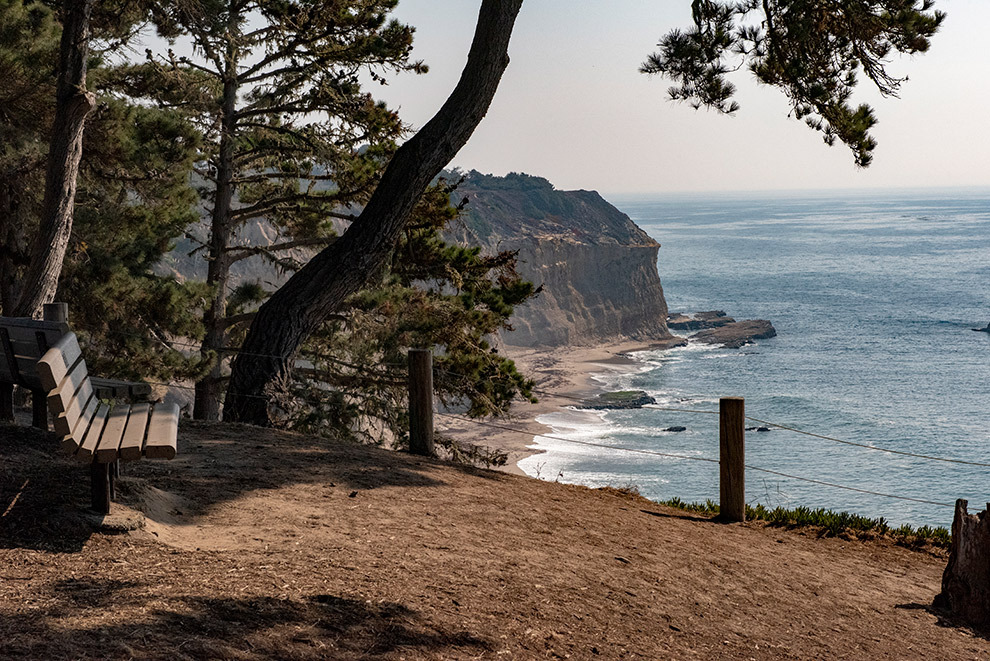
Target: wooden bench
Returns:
[96, 431]
[23, 341]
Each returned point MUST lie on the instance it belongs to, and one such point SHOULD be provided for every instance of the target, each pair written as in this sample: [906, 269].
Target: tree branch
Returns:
[243, 252]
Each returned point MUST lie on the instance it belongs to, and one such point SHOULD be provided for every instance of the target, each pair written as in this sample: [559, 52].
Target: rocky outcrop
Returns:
[698, 321]
[736, 334]
[622, 399]
[597, 269]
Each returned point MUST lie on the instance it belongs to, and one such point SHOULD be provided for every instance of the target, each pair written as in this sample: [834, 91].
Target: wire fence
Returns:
[502, 427]
[583, 402]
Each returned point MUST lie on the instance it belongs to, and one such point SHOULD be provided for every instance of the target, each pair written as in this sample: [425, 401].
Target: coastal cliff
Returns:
[597, 269]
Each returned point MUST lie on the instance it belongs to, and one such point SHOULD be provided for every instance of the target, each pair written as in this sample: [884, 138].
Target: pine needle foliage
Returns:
[812, 50]
[132, 198]
[446, 297]
[292, 141]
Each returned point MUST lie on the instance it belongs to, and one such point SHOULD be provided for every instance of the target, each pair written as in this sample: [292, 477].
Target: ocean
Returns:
[873, 295]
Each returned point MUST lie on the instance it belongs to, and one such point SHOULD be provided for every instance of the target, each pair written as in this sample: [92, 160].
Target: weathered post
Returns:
[56, 312]
[421, 402]
[39, 398]
[966, 579]
[732, 458]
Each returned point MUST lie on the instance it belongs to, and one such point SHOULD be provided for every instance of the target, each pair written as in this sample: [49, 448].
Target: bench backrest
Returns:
[22, 342]
[71, 398]
[97, 430]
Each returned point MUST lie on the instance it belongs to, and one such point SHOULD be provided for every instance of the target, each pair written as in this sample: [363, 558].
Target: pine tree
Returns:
[132, 198]
[812, 50]
[320, 289]
[73, 103]
[29, 39]
[291, 138]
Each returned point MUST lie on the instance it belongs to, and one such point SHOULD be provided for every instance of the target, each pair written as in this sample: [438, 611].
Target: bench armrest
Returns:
[118, 389]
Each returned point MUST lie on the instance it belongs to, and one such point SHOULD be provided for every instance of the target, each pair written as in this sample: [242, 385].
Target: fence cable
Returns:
[841, 486]
[869, 447]
[705, 459]
[494, 425]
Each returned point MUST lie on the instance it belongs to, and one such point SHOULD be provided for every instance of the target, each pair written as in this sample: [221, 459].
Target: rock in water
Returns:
[699, 321]
[737, 334]
[622, 399]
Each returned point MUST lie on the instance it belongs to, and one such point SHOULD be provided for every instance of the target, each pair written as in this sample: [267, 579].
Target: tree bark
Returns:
[966, 580]
[261, 370]
[72, 104]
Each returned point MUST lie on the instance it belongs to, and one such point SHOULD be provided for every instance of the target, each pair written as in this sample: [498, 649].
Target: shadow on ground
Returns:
[44, 496]
[946, 619]
[320, 626]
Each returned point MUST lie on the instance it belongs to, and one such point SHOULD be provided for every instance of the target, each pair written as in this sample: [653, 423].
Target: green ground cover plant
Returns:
[829, 523]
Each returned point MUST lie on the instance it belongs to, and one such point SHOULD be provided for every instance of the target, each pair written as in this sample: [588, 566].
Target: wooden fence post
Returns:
[421, 402]
[732, 458]
[56, 312]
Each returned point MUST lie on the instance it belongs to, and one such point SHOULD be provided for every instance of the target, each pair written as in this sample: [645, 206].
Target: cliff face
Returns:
[598, 269]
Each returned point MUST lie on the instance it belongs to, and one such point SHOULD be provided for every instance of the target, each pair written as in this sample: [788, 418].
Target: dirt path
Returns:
[263, 545]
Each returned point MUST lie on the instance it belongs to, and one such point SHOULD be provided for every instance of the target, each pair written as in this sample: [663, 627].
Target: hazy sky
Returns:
[573, 108]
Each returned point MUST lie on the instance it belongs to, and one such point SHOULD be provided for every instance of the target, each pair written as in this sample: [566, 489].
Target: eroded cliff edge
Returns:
[598, 269]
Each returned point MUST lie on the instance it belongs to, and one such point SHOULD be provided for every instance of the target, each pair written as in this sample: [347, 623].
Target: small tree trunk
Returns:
[261, 370]
[209, 390]
[73, 104]
[966, 580]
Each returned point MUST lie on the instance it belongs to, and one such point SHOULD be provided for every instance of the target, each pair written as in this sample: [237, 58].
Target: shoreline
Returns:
[564, 371]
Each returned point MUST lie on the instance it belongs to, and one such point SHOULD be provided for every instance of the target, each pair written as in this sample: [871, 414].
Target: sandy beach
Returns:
[561, 374]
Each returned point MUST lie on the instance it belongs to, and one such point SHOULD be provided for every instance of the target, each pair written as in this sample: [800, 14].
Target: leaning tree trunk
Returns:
[966, 580]
[72, 105]
[260, 372]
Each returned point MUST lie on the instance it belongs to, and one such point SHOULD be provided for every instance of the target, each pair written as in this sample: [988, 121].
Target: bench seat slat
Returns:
[72, 433]
[162, 432]
[89, 442]
[107, 449]
[133, 440]
[77, 408]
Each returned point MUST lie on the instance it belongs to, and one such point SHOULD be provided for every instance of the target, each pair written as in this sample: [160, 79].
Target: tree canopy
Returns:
[812, 50]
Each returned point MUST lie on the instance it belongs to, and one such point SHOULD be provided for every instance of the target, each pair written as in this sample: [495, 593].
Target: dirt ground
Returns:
[266, 545]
